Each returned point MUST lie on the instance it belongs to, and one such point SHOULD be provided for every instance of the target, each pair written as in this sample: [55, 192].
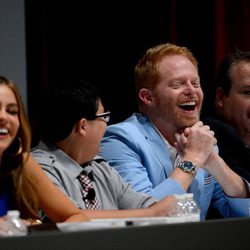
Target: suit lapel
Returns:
[156, 143]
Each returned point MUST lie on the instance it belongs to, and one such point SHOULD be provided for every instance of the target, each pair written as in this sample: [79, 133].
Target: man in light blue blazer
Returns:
[165, 149]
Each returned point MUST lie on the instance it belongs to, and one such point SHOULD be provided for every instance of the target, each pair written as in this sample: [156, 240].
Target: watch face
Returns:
[187, 166]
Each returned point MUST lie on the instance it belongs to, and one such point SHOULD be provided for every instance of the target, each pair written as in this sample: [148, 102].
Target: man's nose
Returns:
[189, 88]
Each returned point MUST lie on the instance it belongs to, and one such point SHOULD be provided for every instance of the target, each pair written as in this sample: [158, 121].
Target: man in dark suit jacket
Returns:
[232, 122]
[231, 147]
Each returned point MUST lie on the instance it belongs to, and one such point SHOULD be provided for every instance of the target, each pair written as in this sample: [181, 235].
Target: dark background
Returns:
[103, 40]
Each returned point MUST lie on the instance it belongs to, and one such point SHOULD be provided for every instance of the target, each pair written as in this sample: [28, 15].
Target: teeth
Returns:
[3, 131]
[188, 103]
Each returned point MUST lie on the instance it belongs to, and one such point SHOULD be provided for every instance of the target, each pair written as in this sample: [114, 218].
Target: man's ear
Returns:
[219, 99]
[146, 96]
[81, 126]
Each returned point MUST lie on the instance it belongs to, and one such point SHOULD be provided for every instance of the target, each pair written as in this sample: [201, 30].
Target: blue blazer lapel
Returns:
[156, 143]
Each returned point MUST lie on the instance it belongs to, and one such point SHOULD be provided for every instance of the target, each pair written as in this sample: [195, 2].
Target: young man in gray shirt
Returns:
[72, 122]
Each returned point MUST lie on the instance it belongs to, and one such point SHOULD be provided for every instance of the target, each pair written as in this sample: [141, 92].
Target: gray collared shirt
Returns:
[111, 190]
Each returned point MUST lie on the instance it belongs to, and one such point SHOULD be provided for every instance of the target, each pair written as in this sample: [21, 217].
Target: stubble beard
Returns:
[185, 123]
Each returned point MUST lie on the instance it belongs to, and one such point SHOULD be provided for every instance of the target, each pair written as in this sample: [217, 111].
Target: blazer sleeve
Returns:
[127, 150]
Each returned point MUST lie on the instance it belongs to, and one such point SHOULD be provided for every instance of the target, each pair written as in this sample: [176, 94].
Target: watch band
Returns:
[187, 167]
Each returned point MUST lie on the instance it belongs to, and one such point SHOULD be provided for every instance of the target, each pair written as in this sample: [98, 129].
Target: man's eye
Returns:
[196, 84]
[175, 84]
[246, 92]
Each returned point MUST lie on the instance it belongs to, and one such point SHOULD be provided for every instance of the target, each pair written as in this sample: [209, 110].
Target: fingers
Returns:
[215, 141]
[177, 144]
[206, 127]
[178, 148]
[177, 136]
[199, 129]
[196, 142]
[186, 131]
[181, 138]
[198, 125]
[211, 132]
[181, 141]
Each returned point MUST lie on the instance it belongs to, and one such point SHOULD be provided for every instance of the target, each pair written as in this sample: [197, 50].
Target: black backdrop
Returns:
[102, 41]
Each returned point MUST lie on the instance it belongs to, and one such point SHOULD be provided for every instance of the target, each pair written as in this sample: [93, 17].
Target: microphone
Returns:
[91, 176]
[91, 194]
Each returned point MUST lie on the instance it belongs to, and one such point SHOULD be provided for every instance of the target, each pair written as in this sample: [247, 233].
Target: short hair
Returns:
[63, 103]
[146, 70]
[223, 79]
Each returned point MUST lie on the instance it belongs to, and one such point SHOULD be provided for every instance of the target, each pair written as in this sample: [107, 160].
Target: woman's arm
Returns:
[51, 200]
[59, 208]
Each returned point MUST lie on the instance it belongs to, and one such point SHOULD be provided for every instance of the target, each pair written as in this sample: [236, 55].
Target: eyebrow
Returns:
[12, 105]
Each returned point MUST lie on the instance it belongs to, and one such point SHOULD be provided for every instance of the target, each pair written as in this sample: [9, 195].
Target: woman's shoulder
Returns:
[31, 166]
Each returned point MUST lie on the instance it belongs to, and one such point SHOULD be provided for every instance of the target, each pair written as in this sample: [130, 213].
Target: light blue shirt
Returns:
[137, 151]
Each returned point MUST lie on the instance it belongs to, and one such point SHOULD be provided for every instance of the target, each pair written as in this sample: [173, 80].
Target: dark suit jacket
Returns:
[231, 147]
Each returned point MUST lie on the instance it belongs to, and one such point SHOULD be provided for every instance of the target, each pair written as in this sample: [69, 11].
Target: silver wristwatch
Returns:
[187, 166]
